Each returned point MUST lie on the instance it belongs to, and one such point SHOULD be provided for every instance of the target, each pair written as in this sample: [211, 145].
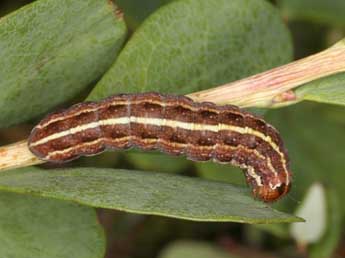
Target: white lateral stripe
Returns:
[253, 174]
[158, 122]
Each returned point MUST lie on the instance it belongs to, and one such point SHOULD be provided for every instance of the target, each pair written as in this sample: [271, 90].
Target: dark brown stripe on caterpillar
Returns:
[172, 124]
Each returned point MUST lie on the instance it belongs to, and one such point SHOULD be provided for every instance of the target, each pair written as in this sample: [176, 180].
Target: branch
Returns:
[17, 155]
[273, 87]
[268, 89]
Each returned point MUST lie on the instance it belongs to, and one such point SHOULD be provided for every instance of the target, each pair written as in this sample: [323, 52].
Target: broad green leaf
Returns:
[327, 90]
[193, 249]
[324, 11]
[145, 193]
[136, 11]
[314, 137]
[50, 51]
[40, 228]
[189, 45]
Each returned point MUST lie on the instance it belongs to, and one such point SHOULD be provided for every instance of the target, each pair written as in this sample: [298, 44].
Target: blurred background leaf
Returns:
[320, 11]
[182, 249]
[158, 162]
[136, 11]
[220, 172]
[36, 227]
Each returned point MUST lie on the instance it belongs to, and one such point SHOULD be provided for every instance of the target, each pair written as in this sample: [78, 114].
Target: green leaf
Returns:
[220, 172]
[145, 193]
[193, 249]
[36, 227]
[136, 11]
[157, 162]
[324, 11]
[191, 45]
[327, 90]
[277, 230]
[50, 51]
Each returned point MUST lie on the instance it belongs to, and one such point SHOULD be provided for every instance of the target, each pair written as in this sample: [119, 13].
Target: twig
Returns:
[273, 88]
[17, 155]
[268, 89]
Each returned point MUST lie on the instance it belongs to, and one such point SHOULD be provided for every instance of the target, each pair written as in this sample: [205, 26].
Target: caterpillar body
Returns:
[172, 124]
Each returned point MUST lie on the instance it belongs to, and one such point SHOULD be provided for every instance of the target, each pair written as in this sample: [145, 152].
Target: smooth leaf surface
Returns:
[145, 193]
[33, 227]
[52, 50]
[193, 249]
[191, 45]
[327, 90]
[325, 11]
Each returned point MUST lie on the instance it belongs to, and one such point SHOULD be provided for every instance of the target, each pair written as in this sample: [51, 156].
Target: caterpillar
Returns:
[175, 125]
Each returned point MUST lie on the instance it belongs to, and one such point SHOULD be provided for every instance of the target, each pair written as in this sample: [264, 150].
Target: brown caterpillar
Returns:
[172, 124]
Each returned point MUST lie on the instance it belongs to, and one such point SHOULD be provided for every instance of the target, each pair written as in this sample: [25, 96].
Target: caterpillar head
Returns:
[268, 187]
[267, 193]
